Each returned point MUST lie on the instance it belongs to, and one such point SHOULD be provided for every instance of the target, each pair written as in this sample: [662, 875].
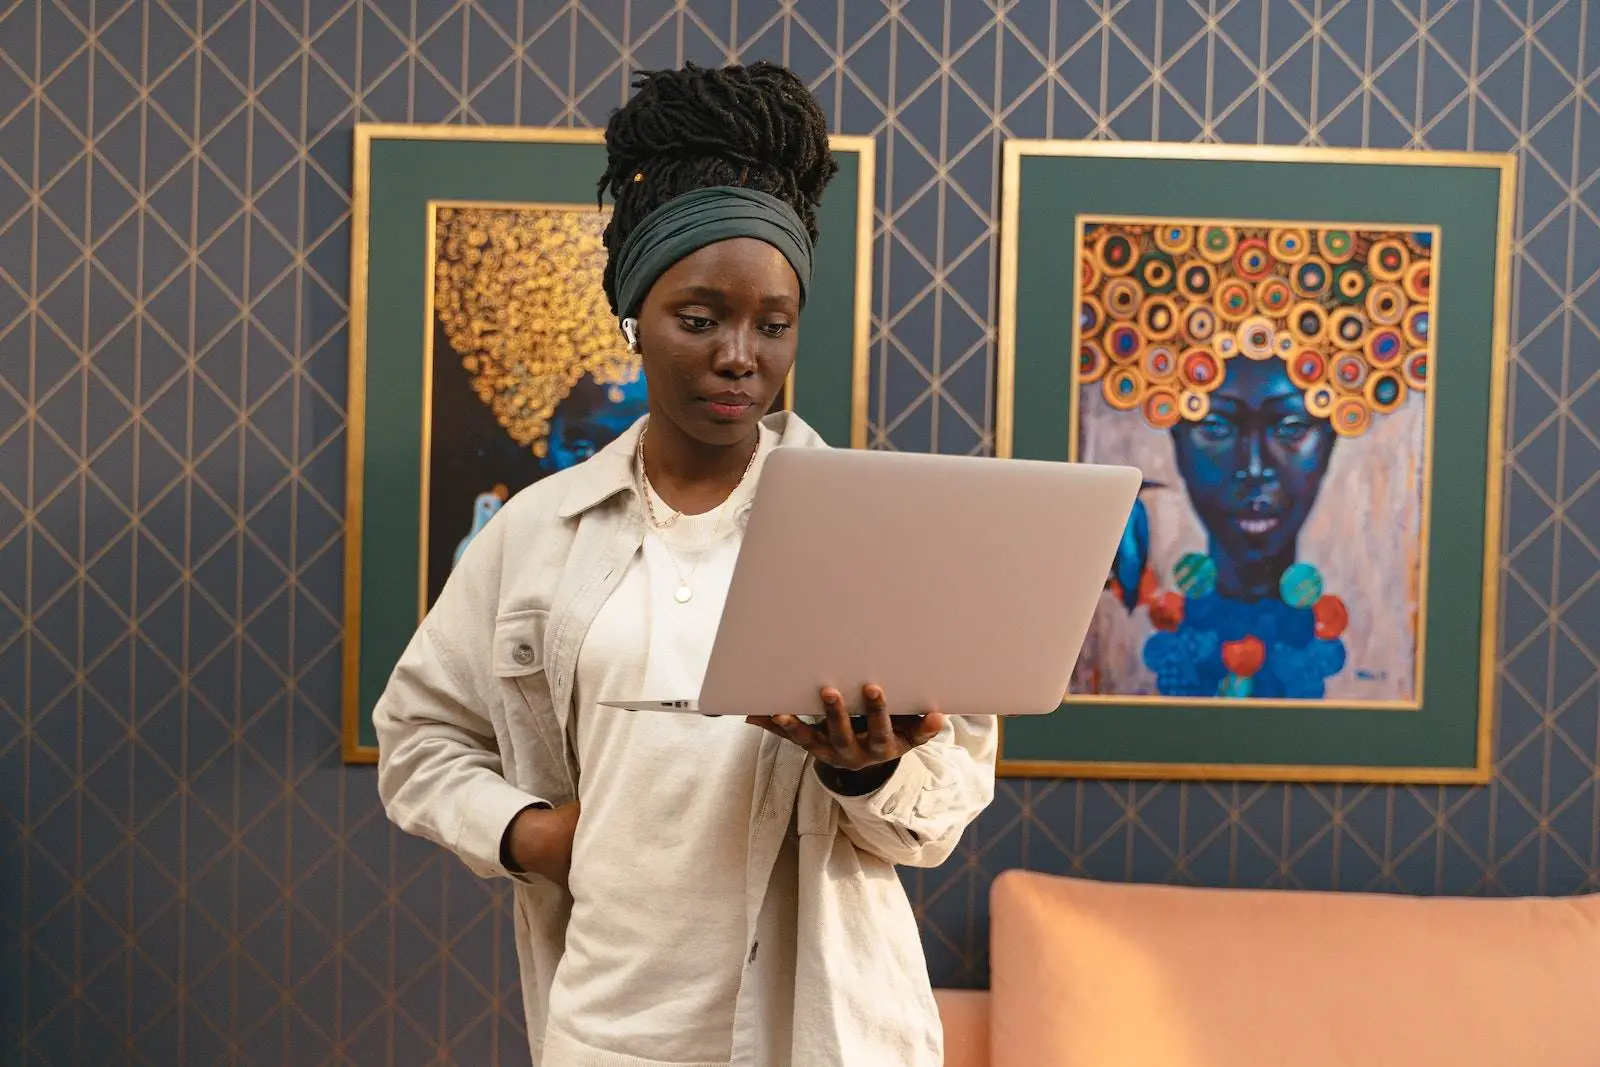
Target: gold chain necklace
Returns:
[685, 592]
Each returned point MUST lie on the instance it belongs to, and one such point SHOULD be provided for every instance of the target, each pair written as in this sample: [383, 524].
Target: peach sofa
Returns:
[1087, 974]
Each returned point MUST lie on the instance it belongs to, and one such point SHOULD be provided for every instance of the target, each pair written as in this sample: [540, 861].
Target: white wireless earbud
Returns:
[630, 330]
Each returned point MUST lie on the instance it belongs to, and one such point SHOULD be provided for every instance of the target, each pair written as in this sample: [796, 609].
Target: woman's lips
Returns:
[1257, 525]
[728, 408]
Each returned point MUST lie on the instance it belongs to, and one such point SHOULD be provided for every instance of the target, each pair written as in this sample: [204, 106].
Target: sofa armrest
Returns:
[965, 1013]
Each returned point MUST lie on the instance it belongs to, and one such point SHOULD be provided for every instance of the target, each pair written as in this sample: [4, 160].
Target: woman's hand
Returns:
[838, 743]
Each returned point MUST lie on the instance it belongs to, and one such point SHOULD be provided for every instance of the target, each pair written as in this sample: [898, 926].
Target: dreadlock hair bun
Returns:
[756, 126]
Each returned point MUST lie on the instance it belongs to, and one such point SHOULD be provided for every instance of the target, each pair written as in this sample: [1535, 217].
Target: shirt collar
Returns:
[610, 471]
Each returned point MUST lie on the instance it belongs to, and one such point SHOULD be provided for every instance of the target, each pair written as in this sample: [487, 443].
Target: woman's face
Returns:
[717, 336]
[1253, 466]
[588, 420]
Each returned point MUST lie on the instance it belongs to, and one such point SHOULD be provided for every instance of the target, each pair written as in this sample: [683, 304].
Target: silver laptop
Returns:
[963, 585]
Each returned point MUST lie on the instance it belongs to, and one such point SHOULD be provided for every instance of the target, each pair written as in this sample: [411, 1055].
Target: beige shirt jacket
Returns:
[477, 723]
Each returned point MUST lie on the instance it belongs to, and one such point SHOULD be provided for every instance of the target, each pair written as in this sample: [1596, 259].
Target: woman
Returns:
[1253, 620]
[689, 890]
[1253, 468]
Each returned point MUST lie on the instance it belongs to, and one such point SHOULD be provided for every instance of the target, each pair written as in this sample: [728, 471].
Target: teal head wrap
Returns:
[685, 224]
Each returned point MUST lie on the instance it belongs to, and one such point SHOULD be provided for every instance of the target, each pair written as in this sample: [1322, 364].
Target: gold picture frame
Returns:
[412, 168]
[1030, 166]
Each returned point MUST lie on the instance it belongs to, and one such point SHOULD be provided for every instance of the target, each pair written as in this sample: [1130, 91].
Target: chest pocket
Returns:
[519, 643]
[534, 758]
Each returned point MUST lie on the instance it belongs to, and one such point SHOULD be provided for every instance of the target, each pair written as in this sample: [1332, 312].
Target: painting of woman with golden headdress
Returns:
[1271, 381]
[528, 372]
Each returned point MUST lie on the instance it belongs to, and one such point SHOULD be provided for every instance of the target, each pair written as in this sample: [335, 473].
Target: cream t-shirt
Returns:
[656, 942]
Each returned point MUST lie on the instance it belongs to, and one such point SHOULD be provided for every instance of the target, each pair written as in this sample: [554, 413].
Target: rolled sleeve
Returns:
[485, 818]
[917, 816]
[895, 792]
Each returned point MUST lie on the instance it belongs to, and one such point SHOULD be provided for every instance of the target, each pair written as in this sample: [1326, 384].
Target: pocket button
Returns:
[523, 654]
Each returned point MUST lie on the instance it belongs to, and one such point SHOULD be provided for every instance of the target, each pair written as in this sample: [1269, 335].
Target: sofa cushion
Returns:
[1085, 974]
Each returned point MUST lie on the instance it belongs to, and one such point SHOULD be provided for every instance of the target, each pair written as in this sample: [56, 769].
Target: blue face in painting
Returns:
[591, 418]
[1253, 467]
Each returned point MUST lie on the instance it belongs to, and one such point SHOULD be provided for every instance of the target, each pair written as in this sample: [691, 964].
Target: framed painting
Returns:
[1304, 352]
[483, 354]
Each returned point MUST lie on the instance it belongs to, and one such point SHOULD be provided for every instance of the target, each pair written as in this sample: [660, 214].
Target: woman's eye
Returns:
[695, 322]
[1294, 429]
[776, 329]
[1216, 429]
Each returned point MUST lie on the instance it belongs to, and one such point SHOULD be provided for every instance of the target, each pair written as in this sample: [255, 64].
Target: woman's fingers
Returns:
[855, 743]
[880, 725]
[841, 731]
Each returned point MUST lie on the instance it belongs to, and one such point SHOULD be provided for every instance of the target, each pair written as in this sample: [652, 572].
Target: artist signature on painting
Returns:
[1371, 676]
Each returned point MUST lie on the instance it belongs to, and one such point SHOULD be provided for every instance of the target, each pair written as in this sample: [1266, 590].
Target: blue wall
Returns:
[184, 860]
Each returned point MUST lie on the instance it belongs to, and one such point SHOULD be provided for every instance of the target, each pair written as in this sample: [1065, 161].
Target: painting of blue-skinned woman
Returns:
[528, 373]
[1272, 384]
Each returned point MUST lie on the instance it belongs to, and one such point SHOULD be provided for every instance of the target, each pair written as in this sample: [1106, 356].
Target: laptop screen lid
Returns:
[959, 584]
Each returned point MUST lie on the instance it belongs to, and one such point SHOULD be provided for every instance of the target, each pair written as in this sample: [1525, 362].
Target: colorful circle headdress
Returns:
[1165, 308]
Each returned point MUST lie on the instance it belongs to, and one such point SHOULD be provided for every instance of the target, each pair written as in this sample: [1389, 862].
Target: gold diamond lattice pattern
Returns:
[187, 872]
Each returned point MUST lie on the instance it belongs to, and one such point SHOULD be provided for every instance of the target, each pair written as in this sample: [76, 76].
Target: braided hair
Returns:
[755, 126]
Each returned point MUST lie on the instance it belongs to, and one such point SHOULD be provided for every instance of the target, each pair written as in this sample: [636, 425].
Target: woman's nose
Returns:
[1253, 465]
[735, 357]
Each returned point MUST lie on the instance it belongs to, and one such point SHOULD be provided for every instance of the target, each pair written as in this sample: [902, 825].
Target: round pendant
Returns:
[682, 595]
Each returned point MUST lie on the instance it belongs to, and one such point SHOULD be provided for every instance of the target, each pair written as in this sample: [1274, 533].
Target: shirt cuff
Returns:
[894, 800]
[489, 811]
